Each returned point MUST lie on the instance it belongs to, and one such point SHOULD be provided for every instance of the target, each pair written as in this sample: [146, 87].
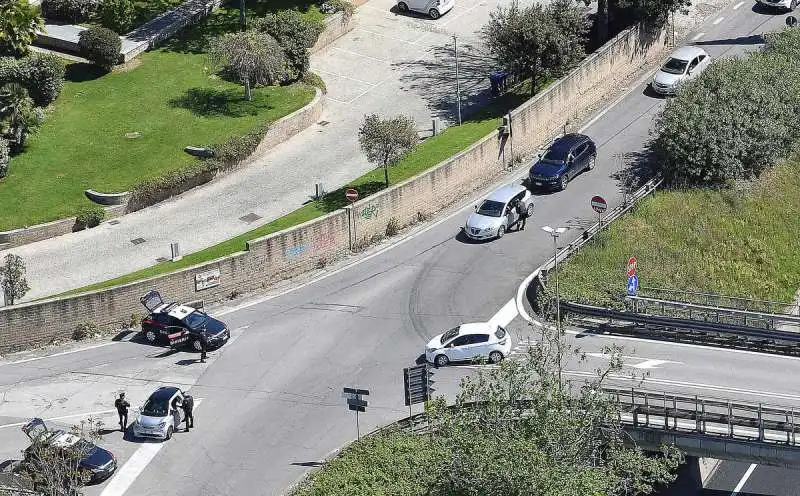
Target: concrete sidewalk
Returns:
[388, 64]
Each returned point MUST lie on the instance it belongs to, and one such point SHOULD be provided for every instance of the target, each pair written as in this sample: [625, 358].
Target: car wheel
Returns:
[402, 7]
[590, 165]
[151, 336]
[495, 357]
[169, 433]
[441, 360]
[434, 14]
[530, 210]
[500, 231]
[197, 345]
[562, 183]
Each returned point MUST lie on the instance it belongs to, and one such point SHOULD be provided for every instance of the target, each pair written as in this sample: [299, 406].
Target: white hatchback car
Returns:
[496, 214]
[469, 342]
[684, 64]
[788, 5]
[161, 414]
[433, 8]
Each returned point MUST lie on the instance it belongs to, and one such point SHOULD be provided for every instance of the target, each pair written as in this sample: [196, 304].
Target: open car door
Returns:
[35, 428]
[152, 300]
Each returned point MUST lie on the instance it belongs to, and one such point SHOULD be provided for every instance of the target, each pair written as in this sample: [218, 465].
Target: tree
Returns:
[385, 141]
[18, 115]
[255, 57]
[12, 278]
[536, 41]
[100, 45]
[19, 21]
[295, 33]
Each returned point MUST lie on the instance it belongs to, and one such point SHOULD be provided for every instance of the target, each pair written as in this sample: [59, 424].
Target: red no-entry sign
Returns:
[351, 194]
[599, 204]
[631, 268]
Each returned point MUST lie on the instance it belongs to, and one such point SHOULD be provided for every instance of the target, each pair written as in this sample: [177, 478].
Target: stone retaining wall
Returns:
[317, 242]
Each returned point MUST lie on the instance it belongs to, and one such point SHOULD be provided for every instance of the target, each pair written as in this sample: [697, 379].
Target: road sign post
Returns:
[352, 195]
[599, 205]
[356, 403]
[417, 381]
[633, 280]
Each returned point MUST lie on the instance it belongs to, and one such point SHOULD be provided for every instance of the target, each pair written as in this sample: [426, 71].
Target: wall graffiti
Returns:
[324, 241]
[295, 251]
[369, 212]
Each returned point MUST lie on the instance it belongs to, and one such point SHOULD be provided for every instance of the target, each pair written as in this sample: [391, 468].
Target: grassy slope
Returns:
[739, 244]
[83, 145]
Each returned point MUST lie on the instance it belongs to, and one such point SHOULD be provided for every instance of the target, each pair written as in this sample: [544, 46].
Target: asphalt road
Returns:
[271, 400]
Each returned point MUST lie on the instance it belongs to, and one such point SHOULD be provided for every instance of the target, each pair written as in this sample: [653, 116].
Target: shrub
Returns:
[295, 34]
[43, 77]
[18, 115]
[9, 67]
[346, 8]
[101, 46]
[90, 215]
[19, 21]
[314, 79]
[393, 227]
[74, 11]
[118, 15]
[83, 331]
[5, 157]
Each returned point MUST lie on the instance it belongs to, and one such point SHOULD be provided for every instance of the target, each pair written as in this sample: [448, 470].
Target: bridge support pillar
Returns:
[692, 476]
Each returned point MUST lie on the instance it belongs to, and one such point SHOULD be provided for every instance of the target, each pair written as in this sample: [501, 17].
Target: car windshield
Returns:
[490, 208]
[83, 446]
[449, 335]
[155, 408]
[195, 319]
[555, 156]
[675, 66]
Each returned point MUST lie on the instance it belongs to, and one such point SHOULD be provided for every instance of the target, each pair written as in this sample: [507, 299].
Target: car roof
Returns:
[506, 193]
[164, 393]
[180, 311]
[476, 328]
[687, 52]
[566, 142]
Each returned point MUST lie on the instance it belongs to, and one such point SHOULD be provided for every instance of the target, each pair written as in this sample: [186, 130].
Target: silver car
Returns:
[497, 214]
[684, 64]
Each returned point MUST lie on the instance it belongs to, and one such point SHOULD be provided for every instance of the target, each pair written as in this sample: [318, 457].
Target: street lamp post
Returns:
[458, 81]
[555, 232]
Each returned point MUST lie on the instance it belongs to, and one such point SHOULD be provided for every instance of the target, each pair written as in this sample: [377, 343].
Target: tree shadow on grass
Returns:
[212, 102]
[80, 72]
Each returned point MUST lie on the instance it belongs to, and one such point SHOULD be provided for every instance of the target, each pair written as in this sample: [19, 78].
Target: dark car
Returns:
[94, 463]
[175, 324]
[567, 157]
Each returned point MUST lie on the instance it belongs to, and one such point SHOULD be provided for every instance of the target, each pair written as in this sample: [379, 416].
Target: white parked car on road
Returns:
[469, 342]
[684, 64]
[432, 8]
[496, 214]
[788, 5]
[160, 416]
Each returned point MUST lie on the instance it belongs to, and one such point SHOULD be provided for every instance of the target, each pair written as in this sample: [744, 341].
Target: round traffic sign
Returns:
[631, 268]
[599, 204]
[351, 194]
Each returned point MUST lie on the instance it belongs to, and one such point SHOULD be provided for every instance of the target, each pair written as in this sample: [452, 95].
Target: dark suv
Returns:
[566, 157]
[175, 324]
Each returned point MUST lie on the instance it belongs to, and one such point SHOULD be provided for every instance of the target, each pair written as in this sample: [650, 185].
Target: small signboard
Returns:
[207, 279]
[633, 285]
[630, 269]
[599, 204]
[351, 194]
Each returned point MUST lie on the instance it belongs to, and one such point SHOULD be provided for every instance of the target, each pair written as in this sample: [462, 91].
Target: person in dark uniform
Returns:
[523, 214]
[122, 405]
[188, 406]
[202, 351]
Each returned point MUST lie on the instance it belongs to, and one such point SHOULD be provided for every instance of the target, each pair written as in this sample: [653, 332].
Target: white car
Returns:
[684, 64]
[496, 214]
[789, 5]
[433, 8]
[469, 342]
[161, 414]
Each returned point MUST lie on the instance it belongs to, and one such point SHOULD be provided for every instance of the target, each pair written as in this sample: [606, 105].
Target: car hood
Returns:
[97, 457]
[148, 421]
[479, 221]
[547, 169]
[668, 79]
[434, 343]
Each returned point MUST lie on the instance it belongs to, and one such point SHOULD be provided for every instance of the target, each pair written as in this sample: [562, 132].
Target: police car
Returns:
[180, 325]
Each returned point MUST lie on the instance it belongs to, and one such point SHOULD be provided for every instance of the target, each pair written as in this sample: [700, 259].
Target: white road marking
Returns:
[360, 55]
[392, 37]
[127, 474]
[344, 77]
[78, 350]
[742, 482]
[649, 364]
[697, 36]
[644, 363]
[85, 414]
[718, 21]
[736, 7]
[506, 314]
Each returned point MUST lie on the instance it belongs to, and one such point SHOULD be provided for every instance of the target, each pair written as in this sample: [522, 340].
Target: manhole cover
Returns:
[133, 135]
[137, 241]
[251, 217]
[113, 222]
[323, 123]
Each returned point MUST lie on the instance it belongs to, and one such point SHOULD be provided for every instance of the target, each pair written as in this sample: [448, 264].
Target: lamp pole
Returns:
[458, 80]
[554, 232]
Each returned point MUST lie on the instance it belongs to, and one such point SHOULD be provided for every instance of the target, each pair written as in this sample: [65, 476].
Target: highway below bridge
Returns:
[270, 405]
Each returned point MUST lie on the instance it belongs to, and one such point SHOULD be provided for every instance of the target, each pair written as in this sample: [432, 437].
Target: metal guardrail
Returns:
[683, 330]
[715, 300]
[709, 416]
[707, 313]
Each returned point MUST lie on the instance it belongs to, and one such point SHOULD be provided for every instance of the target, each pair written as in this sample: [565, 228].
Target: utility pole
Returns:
[242, 16]
[458, 81]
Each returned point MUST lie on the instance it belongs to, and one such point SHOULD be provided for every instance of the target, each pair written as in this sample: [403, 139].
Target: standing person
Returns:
[523, 214]
[176, 415]
[202, 351]
[188, 406]
[122, 405]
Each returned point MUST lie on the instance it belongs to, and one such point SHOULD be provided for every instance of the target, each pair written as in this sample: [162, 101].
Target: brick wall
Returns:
[23, 236]
[315, 243]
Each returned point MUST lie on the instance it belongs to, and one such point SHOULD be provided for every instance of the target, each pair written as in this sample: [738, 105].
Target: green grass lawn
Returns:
[717, 241]
[171, 99]
[431, 152]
